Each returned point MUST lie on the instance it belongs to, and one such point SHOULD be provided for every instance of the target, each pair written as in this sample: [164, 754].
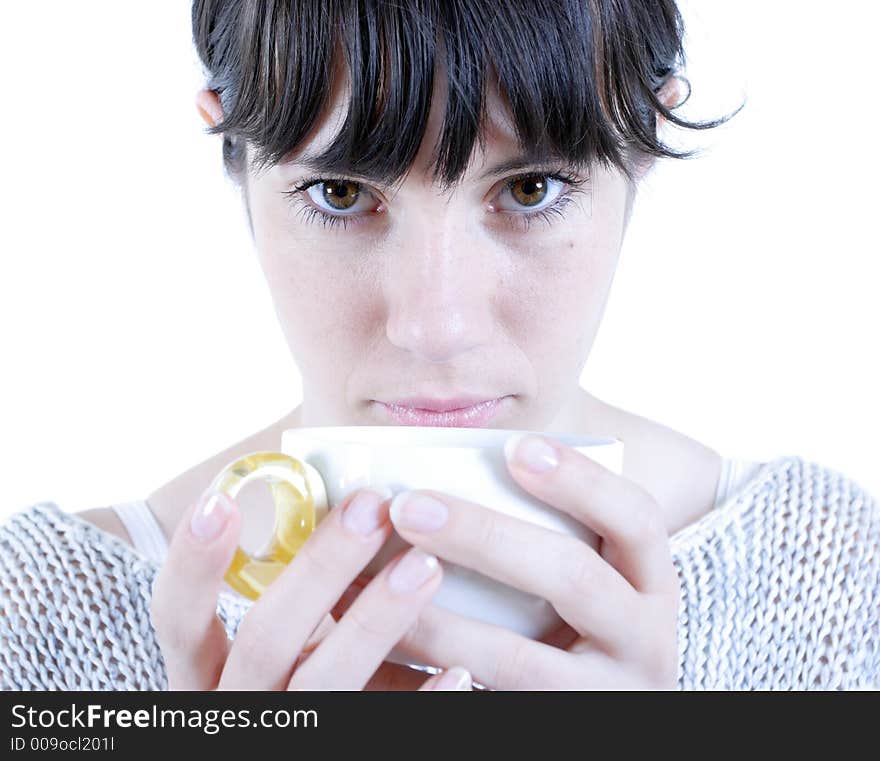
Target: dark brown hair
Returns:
[581, 78]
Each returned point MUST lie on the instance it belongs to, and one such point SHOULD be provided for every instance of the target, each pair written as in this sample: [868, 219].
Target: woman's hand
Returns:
[288, 640]
[619, 604]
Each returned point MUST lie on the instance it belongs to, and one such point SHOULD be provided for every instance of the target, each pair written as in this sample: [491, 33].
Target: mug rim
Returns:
[440, 437]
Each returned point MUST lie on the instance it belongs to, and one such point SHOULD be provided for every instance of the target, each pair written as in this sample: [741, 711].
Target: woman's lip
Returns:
[474, 416]
[435, 404]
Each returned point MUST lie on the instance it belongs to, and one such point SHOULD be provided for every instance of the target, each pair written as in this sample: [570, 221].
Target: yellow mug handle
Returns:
[300, 499]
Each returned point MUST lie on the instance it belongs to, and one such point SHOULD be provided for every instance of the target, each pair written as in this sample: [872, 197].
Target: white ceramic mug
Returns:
[318, 466]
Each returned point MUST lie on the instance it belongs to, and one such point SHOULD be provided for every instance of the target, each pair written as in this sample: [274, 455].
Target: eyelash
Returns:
[526, 219]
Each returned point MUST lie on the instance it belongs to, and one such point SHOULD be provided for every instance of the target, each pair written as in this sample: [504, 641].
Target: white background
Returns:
[139, 337]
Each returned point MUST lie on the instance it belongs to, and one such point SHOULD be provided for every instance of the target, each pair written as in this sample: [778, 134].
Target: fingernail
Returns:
[412, 571]
[363, 514]
[210, 515]
[456, 678]
[532, 452]
[418, 512]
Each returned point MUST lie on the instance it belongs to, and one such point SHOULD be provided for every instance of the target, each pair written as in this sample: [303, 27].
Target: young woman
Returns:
[438, 193]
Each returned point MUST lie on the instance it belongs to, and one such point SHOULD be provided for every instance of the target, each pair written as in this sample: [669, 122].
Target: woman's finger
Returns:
[619, 510]
[389, 676]
[183, 607]
[353, 651]
[346, 600]
[395, 677]
[583, 587]
[456, 678]
[495, 656]
[280, 624]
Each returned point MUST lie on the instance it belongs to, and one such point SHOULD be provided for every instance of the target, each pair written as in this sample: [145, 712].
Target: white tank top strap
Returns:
[143, 528]
[736, 472]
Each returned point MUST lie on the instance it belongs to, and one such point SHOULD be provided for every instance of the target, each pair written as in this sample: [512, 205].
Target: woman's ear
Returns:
[209, 106]
[669, 95]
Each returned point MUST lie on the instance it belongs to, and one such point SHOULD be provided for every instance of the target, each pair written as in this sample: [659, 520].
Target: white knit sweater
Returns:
[780, 590]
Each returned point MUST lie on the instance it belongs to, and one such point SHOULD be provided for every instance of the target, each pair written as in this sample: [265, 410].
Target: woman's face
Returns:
[423, 294]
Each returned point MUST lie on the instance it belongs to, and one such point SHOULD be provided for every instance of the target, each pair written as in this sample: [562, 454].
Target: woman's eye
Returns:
[338, 196]
[530, 193]
[525, 198]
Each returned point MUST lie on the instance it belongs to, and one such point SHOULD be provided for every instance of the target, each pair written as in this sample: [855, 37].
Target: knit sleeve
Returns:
[781, 588]
[75, 608]
[868, 648]
[845, 585]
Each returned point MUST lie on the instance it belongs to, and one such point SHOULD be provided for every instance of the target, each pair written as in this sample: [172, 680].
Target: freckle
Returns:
[571, 244]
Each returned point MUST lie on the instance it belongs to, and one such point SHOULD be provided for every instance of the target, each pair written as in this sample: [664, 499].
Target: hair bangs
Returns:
[578, 78]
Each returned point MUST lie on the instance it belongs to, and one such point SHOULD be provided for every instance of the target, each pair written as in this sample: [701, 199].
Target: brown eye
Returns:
[340, 195]
[529, 191]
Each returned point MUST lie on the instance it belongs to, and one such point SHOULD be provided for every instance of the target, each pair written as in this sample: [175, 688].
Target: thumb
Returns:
[184, 600]
[210, 529]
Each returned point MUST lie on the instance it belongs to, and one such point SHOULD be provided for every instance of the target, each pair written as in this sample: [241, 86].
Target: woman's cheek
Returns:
[312, 287]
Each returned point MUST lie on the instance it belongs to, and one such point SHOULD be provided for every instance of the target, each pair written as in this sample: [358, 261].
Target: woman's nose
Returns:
[440, 295]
